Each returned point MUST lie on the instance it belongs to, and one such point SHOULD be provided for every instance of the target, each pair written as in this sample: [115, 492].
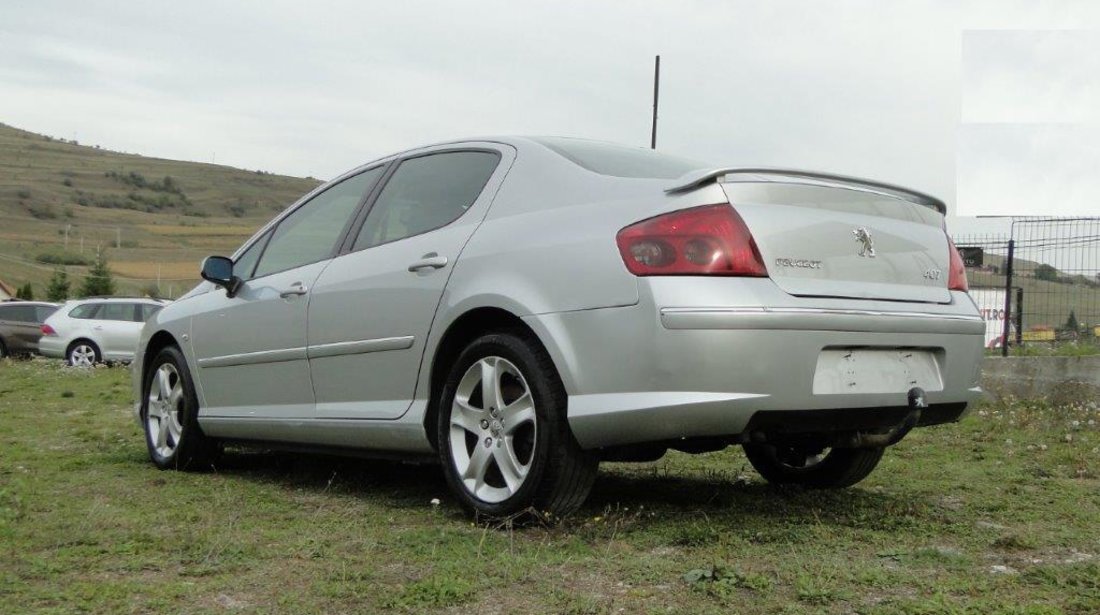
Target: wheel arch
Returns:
[157, 342]
[463, 330]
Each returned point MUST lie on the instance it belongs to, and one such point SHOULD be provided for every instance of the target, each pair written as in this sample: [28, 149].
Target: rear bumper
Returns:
[661, 371]
[51, 346]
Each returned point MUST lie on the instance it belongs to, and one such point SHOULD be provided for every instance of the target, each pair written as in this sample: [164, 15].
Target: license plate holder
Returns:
[876, 370]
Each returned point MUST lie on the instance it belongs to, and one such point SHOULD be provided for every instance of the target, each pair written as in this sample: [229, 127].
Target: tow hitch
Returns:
[894, 435]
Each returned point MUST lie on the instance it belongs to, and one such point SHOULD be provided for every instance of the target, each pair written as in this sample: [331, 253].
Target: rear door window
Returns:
[116, 311]
[18, 313]
[84, 311]
[426, 193]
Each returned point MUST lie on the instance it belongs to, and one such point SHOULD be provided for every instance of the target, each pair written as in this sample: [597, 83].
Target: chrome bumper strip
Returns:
[819, 319]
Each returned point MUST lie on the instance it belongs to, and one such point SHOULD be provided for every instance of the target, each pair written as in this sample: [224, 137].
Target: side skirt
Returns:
[392, 437]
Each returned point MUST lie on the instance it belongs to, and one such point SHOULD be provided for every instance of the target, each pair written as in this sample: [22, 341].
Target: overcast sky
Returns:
[899, 91]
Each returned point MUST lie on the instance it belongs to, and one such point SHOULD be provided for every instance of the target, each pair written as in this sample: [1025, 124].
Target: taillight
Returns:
[956, 278]
[48, 330]
[707, 240]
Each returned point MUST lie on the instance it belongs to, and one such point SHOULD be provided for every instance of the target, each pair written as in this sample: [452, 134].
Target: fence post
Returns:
[1019, 315]
[1008, 297]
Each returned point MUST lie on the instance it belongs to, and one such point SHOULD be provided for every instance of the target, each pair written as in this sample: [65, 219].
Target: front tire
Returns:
[817, 469]
[503, 437]
[169, 414]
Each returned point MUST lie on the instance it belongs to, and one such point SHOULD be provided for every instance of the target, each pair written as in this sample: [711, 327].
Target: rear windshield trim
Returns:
[614, 160]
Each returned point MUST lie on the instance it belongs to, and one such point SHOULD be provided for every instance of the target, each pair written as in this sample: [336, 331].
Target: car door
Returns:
[251, 348]
[115, 330]
[372, 307]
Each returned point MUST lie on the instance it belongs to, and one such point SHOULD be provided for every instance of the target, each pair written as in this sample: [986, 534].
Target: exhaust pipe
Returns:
[917, 402]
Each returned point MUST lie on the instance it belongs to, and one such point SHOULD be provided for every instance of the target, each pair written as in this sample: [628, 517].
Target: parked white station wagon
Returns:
[523, 308]
[89, 331]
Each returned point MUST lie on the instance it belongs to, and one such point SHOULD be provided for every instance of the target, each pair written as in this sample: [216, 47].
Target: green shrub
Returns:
[62, 258]
[44, 211]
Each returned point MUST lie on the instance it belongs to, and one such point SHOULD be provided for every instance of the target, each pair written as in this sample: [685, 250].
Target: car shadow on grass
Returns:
[394, 483]
[643, 498]
[753, 502]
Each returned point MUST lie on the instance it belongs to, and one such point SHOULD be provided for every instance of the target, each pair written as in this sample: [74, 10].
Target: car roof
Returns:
[23, 302]
[116, 300]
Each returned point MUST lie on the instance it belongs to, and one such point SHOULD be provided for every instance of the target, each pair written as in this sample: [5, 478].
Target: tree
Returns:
[25, 292]
[1071, 322]
[1046, 272]
[99, 282]
[59, 287]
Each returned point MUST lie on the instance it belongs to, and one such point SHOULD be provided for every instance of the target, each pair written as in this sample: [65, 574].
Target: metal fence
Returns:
[1038, 285]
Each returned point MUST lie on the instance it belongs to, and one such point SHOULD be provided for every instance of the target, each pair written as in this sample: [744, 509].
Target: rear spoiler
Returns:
[695, 179]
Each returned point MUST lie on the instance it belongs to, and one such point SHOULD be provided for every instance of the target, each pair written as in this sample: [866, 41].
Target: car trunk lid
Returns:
[841, 237]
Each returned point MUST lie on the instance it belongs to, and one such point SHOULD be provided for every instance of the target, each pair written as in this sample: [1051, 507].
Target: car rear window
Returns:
[44, 311]
[621, 161]
[147, 310]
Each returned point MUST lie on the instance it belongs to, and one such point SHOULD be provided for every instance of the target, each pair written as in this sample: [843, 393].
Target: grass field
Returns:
[999, 514]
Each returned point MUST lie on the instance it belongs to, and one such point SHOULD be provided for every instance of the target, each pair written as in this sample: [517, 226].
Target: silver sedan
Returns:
[522, 308]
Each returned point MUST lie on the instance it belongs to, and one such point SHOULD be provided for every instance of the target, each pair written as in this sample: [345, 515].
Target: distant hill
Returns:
[38, 173]
[61, 201]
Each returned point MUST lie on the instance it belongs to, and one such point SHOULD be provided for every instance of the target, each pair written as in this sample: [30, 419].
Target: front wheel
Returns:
[817, 468]
[170, 416]
[503, 437]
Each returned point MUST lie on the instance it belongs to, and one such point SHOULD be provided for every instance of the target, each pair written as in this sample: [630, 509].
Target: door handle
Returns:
[430, 260]
[295, 289]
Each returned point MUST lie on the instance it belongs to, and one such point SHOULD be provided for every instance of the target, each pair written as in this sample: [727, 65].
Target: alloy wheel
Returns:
[164, 410]
[82, 355]
[492, 429]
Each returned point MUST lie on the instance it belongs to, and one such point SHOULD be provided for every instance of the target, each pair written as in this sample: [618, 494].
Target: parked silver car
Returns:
[521, 308]
[89, 331]
[20, 323]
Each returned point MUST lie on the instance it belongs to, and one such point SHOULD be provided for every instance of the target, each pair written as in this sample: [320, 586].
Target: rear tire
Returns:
[504, 440]
[169, 415]
[832, 469]
[83, 353]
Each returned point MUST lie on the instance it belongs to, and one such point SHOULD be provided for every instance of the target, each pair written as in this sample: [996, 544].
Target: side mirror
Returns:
[219, 270]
